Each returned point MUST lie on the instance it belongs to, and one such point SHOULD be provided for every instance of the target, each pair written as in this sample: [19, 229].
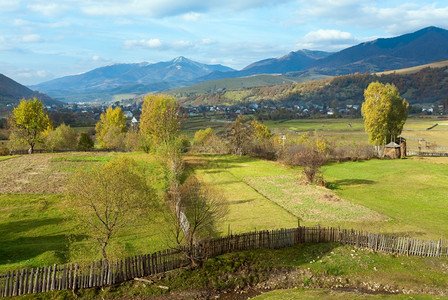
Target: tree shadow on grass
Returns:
[25, 248]
[18, 245]
[337, 184]
[12, 230]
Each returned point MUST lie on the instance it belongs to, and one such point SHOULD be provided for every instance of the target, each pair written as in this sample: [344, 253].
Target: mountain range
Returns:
[424, 46]
[180, 70]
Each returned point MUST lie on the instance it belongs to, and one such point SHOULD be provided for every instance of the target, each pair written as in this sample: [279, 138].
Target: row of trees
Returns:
[31, 126]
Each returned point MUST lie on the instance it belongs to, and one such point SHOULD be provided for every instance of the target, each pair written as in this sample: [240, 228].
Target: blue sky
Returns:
[45, 39]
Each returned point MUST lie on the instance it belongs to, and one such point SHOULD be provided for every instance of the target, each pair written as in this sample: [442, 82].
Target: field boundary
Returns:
[41, 151]
[105, 273]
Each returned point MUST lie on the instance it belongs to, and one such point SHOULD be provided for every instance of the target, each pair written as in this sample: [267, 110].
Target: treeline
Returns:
[428, 85]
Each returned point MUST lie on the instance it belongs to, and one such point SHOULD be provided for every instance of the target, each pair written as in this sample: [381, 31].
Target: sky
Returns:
[45, 39]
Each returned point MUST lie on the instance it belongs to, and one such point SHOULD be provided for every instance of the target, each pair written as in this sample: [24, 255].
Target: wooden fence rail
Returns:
[102, 273]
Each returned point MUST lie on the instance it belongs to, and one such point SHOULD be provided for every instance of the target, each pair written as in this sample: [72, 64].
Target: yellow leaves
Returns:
[160, 119]
[30, 121]
[384, 112]
[112, 123]
[261, 131]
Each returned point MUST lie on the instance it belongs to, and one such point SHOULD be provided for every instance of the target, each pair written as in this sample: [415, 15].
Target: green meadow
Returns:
[405, 197]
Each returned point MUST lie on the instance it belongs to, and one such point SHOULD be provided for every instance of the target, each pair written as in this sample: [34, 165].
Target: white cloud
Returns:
[48, 9]
[327, 39]
[207, 41]
[42, 73]
[191, 16]
[25, 23]
[390, 17]
[328, 35]
[151, 43]
[31, 38]
[164, 8]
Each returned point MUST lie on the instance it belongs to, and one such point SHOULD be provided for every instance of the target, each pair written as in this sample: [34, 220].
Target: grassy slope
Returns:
[36, 231]
[439, 64]
[233, 84]
[411, 192]
[249, 210]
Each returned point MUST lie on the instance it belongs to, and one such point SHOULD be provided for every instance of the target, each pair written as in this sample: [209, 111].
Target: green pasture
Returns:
[411, 192]
[346, 130]
[37, 230]
[405, 197]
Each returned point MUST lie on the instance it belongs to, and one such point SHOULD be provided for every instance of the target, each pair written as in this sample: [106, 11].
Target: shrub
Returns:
[206, 141]
[4, 151]
[85, 142]
[62, 138]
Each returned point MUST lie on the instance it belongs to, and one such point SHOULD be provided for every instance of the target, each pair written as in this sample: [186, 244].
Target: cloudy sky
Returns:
[45, 39]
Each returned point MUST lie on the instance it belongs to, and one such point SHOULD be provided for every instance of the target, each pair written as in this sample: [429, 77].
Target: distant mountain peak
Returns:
[180, 59]
[176, 71]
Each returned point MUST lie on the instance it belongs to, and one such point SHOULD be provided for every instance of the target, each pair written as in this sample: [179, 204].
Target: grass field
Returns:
[411, 192]
[34, 226]
[352, 130]
[402, 197]
[405, 197]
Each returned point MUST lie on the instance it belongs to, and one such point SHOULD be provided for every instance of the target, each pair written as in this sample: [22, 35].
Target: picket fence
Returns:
[103, 273]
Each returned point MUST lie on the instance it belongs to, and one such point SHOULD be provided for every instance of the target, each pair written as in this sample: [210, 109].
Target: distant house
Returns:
[128, 114]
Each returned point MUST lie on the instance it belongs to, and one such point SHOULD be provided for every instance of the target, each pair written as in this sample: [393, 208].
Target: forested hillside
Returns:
[429, 85]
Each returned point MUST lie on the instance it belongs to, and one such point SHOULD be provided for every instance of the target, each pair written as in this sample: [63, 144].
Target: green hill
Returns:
[217, 86]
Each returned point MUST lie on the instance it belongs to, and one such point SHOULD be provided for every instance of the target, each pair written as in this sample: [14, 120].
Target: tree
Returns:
[63, 137]
[108, 198]
[261, 131]
[29, 122]
[384, 113]
[160, 119]
[239, 133]
[200, 207]
[310, 160]
[85, 141]
[111, 128]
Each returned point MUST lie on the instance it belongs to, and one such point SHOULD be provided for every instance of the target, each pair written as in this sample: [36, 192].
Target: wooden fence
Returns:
[101, 273]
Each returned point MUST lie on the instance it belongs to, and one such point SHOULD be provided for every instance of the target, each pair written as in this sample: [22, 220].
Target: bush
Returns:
[85, 142]
[4, 151]
[185, 144]
[263, 149]
[310, 159]
[62, 138]
[206, 141]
